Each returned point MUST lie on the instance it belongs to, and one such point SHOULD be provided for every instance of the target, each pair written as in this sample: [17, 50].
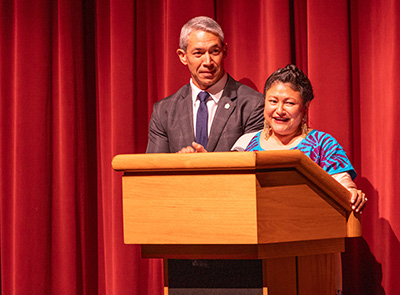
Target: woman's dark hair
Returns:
[295, 77]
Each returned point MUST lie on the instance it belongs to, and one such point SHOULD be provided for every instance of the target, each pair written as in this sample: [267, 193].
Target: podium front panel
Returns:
[190, 209]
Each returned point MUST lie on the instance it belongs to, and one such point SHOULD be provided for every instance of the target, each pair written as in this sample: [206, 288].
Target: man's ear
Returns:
[225, 49]
[182, 56]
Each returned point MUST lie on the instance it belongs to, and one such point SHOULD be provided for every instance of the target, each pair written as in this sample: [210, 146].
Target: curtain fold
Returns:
[78, 80]
[44, 158]
[329, 36]
[121, 127]
[260, 31]
[378, 26]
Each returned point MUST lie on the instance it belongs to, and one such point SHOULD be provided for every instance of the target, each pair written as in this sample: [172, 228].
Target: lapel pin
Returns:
[227, 106]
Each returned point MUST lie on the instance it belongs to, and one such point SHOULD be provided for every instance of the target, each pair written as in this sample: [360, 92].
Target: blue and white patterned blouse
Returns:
[320, 147]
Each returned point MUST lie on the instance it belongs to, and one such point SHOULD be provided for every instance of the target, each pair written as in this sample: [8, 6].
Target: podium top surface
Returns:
[210, 161]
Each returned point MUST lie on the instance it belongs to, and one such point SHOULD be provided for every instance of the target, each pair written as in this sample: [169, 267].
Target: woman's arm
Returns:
[358, 199]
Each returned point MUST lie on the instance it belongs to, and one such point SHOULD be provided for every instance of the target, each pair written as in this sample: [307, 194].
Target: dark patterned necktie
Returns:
[202, 120]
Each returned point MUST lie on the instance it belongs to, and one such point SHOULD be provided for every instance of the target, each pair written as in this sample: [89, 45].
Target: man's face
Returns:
[204, 57]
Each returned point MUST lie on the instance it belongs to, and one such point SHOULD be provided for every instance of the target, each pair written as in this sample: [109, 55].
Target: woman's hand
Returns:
[357, 200]
[195, 148]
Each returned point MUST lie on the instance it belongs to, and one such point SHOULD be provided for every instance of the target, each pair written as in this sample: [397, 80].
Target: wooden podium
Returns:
[278, 206]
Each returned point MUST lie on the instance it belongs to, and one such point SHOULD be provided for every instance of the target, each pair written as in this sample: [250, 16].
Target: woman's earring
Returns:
[267, 130]
[304, 126]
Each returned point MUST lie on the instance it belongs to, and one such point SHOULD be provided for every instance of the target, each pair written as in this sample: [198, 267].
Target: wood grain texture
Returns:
[231, 198]
[279, 276]
[316, 274]
[260, 251]
[294, 213]
[183, 162]
[187, 209]
[201, 251]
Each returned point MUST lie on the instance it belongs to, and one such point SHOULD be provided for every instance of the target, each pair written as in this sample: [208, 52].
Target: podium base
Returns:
[215, 274]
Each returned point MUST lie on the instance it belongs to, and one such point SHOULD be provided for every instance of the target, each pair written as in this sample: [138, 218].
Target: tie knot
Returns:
[203, 96]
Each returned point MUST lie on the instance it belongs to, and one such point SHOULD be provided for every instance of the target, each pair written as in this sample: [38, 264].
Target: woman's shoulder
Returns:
[319, 137]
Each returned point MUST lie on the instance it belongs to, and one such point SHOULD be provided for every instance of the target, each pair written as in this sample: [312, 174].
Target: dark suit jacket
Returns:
[240, 110]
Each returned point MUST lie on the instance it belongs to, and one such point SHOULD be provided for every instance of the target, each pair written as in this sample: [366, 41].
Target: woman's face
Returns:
[284, 110]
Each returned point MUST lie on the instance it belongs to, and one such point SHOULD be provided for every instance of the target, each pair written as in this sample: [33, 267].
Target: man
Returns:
[213, 110]
[228, 108]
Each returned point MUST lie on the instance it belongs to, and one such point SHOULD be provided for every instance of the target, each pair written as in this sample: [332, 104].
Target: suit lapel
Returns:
[185, 111]
[226, 106]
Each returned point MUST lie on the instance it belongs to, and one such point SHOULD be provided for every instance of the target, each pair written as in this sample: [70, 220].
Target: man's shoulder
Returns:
[242, 90]
[184, 91]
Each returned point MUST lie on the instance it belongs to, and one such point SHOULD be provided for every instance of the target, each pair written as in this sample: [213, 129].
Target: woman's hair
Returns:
[200, 23]
[295, 77]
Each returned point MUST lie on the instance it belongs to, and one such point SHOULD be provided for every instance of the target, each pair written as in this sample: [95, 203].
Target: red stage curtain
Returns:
[78, 80]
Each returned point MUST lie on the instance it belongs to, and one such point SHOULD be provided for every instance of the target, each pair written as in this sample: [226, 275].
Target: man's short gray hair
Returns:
[200, 23]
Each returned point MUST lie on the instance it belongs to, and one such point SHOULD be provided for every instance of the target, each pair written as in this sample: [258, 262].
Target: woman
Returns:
[288, 93]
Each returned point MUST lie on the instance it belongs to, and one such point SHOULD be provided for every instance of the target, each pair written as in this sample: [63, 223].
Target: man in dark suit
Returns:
[232, 109]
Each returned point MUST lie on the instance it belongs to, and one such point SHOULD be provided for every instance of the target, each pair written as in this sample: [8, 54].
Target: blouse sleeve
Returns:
[333, 158]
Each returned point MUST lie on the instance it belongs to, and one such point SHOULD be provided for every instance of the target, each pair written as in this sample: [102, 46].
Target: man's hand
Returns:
[195, 148]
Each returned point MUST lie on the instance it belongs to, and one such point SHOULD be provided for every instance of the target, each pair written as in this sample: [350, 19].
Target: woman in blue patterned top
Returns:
[288, 93]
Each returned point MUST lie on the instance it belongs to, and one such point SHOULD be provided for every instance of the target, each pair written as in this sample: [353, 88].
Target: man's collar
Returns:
[214, 89]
